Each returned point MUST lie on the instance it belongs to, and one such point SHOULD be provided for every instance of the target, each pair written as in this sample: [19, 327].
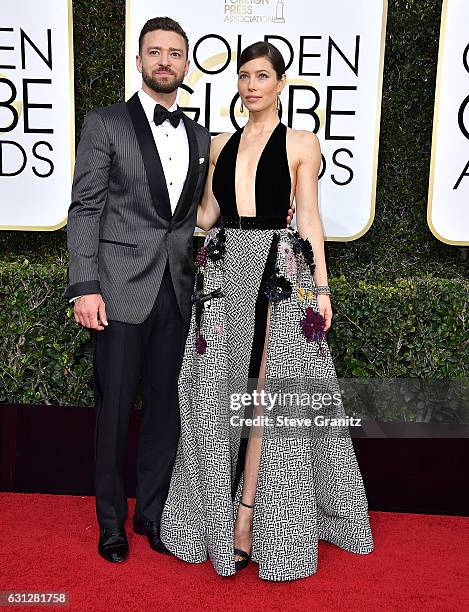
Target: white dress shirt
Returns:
[173, 149]
[172, 146]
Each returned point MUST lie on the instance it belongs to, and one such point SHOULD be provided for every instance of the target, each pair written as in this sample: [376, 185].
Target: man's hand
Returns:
[90, 311]
[291, 212]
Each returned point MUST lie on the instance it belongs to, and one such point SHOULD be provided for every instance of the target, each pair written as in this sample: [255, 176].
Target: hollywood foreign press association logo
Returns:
[254, 11]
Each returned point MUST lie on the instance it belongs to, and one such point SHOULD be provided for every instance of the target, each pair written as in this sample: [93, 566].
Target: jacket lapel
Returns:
[151, 158]
[190, 183]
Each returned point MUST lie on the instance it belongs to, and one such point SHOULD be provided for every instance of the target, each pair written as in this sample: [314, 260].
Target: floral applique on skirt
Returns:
[309, 486]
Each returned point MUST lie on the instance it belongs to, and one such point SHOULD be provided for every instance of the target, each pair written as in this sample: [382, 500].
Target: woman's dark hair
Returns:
[263, 49]
[162, 23]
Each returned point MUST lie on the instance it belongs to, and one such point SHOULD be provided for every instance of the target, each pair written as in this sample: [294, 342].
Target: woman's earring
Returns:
[278, 102]
[242, 107]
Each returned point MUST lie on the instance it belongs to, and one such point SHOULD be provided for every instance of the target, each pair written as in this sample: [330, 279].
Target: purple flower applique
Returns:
[290, 259]
[312, 326]
[201, 257]
[216, 248]
[200, 344]
[211, 235]
[284, 249]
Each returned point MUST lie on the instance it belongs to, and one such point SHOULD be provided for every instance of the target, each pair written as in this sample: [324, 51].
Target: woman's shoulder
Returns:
[303, 138]
[220, 139]
[304, 145]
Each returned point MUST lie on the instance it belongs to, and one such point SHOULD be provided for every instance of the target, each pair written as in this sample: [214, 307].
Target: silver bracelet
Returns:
[323, 289]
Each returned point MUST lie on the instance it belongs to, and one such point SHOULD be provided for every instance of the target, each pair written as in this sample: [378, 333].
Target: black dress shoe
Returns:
[113, 545]
[152, 530]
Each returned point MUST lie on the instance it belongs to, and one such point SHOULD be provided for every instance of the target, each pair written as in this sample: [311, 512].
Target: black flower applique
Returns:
[296, 241]
[303, 246]
[213, 248]
[199, 308]
[277, 287]
[202, 301]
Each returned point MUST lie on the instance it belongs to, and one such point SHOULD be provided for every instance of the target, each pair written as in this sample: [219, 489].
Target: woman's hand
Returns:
[325, 308]
[291, 212]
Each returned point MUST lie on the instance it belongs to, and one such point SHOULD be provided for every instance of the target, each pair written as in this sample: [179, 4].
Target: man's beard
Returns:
[168, 86]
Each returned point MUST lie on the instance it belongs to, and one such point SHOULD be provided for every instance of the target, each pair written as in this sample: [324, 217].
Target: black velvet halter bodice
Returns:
[273, 181]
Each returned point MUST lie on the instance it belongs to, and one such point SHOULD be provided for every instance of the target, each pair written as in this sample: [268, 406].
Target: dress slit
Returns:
[255, 361]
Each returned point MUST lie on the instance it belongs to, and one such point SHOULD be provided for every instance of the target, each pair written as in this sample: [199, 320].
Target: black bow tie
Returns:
[161, 114]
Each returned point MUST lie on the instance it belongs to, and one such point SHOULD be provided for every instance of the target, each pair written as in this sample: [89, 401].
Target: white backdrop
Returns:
[448, 196]
[335, 50]
[36, 156]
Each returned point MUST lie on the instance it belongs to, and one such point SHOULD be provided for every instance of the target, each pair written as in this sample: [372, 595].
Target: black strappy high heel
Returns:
[239, 565]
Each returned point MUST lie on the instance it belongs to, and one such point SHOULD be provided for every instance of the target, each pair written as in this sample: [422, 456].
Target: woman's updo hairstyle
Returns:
[263, 49]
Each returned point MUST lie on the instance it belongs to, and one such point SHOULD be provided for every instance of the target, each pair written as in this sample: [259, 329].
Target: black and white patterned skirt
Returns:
[309, 484]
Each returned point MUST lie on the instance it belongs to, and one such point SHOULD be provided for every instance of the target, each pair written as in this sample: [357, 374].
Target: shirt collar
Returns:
[149, 105]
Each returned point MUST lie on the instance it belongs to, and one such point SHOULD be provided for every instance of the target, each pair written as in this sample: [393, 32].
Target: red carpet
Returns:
[48, 543]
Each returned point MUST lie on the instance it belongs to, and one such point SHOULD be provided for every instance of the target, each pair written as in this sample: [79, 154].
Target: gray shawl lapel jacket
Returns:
[120, 228]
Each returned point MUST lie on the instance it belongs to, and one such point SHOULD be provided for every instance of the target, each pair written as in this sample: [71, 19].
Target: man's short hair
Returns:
[162, 23]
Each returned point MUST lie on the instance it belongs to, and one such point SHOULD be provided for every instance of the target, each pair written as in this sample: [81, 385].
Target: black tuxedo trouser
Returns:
[125, 353]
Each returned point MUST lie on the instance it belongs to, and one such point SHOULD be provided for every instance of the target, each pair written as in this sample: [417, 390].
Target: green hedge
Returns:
[415, 327]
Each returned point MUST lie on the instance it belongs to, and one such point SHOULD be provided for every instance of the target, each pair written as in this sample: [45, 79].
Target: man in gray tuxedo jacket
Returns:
[139, 174]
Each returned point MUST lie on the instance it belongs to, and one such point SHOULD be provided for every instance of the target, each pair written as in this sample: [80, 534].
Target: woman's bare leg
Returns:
[243, 524]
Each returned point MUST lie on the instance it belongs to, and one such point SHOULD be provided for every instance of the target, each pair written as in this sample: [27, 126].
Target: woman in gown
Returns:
[261, 307]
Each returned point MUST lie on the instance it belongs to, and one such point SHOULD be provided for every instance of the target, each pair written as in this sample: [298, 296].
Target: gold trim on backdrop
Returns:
[377, 132]
[436, 111]
[51, 228]
[128, 67]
